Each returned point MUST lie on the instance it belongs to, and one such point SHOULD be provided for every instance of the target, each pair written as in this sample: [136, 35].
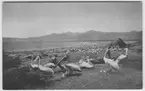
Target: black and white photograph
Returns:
[72, 45]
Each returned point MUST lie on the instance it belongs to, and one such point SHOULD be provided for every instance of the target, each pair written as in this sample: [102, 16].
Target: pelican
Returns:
[34, 65]
[114, 63]
[43, 68]
[85, 63]
[111, 62]
[50, 65]
[122, 56]
[73, 67]
[70, 68]
[93, 61]
[81, 60]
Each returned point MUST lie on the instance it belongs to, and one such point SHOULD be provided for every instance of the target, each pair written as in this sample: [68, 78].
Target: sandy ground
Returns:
[130, 76]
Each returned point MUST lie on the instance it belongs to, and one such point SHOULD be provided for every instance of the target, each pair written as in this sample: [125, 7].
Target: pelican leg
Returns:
[53, 74]
[111, 69]
[64, 74]
[62, 68]
[106, 73]
[74, 72]
[119, 69]
[70, 72]
[67, 72]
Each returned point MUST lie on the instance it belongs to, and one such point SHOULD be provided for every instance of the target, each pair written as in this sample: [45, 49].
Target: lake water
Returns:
[49, 45]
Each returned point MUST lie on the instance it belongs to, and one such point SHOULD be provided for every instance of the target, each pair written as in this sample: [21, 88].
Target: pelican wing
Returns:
[86, 65]
[49, 65]
[73, 66]
[34, 65]
[46, 69]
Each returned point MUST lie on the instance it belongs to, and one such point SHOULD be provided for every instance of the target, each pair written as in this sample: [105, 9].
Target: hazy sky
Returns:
[38, 19]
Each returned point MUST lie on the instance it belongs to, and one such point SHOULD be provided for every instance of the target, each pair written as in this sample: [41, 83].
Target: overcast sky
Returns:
[38, 19]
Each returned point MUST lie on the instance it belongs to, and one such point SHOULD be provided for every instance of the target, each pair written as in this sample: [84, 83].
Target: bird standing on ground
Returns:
[71, 68]
[45, 69]
[85, 63]
[114, 64]
[122, 56]
[57, 63]
[34, 63]
[38, 65]
[110, 62]
[50, 65]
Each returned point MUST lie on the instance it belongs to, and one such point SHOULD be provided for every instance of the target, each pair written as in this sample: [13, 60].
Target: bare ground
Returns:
[130, 76]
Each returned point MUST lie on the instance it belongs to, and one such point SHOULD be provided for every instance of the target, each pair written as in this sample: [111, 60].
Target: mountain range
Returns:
[52, 39]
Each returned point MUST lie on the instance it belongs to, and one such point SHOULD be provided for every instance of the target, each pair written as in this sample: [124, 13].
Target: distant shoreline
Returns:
[38, 49]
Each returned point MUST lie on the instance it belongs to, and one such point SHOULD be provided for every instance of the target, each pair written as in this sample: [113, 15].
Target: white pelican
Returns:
[85, 63]
[122, 56]
[50, 65]
[114, 63]
[34, 63]
[81, 60]
[70, 68]
[93, 61]
[43, 68]
[111, 62]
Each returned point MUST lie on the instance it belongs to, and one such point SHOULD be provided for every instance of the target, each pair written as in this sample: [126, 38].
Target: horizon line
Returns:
[71, 32]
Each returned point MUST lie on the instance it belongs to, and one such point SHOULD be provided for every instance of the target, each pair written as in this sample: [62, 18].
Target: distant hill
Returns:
[54, 39]
[97, 35]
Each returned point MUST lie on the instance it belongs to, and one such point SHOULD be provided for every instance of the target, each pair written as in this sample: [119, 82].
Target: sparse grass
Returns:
[10, 62]
[16, 76]
[19, 76]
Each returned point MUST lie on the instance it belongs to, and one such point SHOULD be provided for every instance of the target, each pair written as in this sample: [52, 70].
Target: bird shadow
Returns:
[62, 78]
[117, 73]
[76, 74]
[88, 68]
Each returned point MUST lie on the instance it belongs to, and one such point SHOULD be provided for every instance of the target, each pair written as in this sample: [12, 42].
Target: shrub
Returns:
[9, 62]
[16, 76]
[11, 79]
[19, 78]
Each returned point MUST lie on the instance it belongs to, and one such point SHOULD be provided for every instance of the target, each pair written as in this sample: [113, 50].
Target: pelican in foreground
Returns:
[122, 56]
[71, 68]
[39, 66]
[111, 62]
[50, 65]
[85, 63]
[114, 64]
[44, 68]
[34, 63]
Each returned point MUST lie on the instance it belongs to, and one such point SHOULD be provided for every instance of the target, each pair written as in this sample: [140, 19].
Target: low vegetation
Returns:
[17, 74]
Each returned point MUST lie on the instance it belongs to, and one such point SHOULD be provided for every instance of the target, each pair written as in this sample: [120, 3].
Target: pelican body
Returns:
[39, 66]
[114, 63]
[70, 68]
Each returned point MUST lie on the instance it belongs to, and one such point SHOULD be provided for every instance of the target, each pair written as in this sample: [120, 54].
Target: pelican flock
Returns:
[85, 62]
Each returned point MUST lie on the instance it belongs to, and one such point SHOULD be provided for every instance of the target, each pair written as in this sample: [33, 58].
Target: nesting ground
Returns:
[130, 77]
